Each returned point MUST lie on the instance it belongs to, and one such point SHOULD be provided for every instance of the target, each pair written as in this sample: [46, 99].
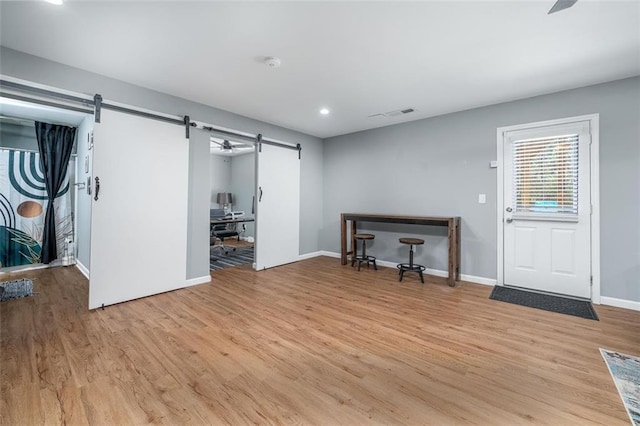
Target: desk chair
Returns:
[221, 231]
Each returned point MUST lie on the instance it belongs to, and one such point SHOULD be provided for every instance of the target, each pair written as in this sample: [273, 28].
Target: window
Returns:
[545, 173]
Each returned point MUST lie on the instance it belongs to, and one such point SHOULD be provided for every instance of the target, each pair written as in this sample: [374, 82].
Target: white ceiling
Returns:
[356, 58]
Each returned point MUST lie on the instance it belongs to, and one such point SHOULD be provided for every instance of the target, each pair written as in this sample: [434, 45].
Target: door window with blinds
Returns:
[545, 177]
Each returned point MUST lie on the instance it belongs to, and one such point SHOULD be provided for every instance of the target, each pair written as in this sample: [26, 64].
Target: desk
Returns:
[225, 220]
[452, 224]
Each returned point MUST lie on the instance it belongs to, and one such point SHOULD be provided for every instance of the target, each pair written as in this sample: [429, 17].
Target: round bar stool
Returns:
[411, 267]
[363, 258]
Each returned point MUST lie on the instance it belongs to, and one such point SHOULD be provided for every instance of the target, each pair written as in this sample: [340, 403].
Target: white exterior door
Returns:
[139, 220]
[547, 209]
[277, 207]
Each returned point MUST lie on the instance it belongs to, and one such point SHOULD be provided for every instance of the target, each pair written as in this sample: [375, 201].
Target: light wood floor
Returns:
[308, 343]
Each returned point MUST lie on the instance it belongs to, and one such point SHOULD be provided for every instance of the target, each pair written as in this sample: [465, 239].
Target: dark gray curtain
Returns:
[55, 144]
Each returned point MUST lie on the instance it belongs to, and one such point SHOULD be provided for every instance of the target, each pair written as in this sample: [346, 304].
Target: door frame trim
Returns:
[594, 126]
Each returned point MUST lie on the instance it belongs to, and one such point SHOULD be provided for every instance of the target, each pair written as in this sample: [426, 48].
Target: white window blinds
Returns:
[545, 175]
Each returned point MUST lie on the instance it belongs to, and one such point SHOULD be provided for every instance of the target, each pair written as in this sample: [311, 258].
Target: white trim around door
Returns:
[593, 120]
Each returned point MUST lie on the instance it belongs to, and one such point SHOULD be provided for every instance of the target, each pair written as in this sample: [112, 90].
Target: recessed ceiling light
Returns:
[324, 111]
[56, 2]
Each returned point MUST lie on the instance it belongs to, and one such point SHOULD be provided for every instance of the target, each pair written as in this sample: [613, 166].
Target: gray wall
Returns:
[198, 200]
[438, 166]
[220, 177]
[31, 68]
[243, 186]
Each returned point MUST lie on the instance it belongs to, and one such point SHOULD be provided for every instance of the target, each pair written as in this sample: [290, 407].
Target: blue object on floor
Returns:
[625, 371]
[15, 289]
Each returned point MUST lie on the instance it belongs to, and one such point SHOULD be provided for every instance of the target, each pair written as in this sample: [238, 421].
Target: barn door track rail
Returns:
[93, 106]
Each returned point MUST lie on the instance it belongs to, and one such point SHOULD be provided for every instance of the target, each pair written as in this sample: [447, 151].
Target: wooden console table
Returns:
[452, 224]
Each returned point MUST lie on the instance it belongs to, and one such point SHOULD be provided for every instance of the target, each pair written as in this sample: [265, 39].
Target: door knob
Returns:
[509, 220]
[509, 209]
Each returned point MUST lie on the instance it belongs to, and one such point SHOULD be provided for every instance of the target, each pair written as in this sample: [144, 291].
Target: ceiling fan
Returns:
[227, 146]
[561, 5]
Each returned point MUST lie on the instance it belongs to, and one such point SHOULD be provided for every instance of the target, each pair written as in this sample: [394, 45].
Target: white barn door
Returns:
[139, 220]
[277, 207]
[547, 209]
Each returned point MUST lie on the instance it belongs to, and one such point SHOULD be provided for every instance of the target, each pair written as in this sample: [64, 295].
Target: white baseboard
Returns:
[428, 271]
[317, 254]
[309, 255]
[478, 280]
[83, 269]
[620, 303]
[388, 264]
[199, 280]
[25, 268]
[329, 254]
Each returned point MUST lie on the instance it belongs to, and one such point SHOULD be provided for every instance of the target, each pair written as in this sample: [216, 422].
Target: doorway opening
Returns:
[232, 203]
[256, 186]
[23, 198]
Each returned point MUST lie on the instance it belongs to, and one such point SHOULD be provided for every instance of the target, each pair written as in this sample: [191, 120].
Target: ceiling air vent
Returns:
[395, 113]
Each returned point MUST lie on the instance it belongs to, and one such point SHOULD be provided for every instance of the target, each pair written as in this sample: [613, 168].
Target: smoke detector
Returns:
[272, 62]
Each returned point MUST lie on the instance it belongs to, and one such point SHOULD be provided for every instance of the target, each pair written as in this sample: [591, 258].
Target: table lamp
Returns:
[225, 199]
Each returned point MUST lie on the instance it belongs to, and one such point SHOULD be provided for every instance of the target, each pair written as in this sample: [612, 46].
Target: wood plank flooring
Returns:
[308, 343]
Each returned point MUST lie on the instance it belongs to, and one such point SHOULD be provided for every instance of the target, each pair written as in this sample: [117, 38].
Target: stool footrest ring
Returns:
[409, 268]
[364, 259]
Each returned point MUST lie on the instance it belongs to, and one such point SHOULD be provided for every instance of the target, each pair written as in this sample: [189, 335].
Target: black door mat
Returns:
[547, 302]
